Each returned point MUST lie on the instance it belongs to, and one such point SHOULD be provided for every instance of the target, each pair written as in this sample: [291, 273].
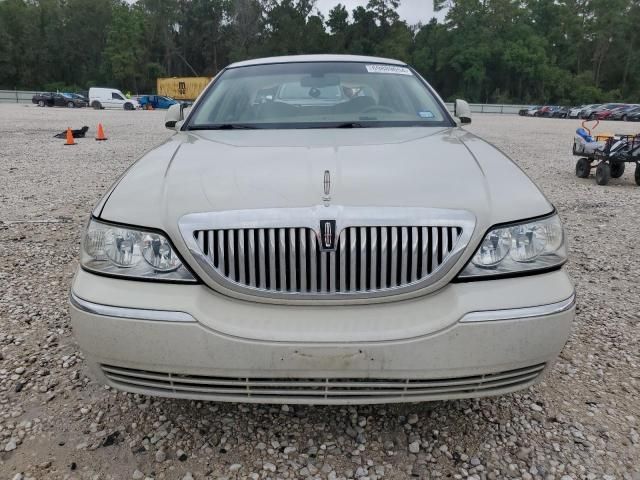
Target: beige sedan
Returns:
[321, 230]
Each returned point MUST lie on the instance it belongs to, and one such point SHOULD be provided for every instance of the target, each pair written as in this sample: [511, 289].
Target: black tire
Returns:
[603, 173]
[71, 105]
[583, 168]
[617, 169]
[41, 103]
[637, 175]
[96, 105]
[128, 106]
[624, 118]
[592, 116]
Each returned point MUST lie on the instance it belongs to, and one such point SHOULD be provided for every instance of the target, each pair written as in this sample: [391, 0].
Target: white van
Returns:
[100, 98]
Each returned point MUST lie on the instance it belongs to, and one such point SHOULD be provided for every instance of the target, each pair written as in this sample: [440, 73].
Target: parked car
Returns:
[543, 111]
[633, 116]
[606, 113]
[574, 112]
[156, 101]
[57, 100]
[586, 111]
[592, 113]
[531, 112]
[560, 112]
[361, 251]
[79, 96]
[100, 98]
[623, 112]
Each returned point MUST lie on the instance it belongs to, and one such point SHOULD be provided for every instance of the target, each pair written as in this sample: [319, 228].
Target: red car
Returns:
[606, 113]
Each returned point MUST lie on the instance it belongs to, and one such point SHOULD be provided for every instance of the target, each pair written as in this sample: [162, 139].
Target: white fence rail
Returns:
[16, 96]
[492, 108]
[22, 96]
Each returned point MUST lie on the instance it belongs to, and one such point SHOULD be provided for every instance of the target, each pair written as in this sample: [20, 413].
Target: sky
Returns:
[413, 11]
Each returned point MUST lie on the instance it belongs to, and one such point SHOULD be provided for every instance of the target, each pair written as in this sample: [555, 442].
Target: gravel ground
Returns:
[582, 422]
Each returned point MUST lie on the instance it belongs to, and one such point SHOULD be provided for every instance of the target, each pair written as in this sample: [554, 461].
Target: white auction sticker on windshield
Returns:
[388, 69]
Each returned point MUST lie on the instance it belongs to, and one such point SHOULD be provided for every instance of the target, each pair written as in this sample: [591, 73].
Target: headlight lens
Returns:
[131, 253]
[519, 248]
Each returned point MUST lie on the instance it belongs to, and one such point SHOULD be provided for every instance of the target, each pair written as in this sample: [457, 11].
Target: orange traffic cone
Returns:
[70, 140]
[100, 135]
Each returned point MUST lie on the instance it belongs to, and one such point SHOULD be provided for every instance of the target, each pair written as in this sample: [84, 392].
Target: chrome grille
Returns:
[290, 260]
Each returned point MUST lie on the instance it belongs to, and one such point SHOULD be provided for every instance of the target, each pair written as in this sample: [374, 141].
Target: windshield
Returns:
[318, 95]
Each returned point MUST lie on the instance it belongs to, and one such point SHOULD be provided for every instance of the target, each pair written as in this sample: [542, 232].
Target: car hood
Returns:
[204, 171]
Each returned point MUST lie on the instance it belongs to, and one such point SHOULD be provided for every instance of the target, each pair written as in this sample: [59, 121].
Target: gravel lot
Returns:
[582, 422]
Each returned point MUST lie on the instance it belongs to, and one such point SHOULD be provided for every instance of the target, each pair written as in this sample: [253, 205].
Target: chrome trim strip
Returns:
[131, 313]
[518, 313]
[347, 219]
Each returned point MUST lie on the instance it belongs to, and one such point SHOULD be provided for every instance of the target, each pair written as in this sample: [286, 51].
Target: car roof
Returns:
[315, 58]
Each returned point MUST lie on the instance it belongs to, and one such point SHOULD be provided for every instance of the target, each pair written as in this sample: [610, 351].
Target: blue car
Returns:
[156, 101]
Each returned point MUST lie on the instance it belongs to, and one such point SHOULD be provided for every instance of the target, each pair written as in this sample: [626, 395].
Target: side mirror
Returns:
[462, 110]
[173, 116]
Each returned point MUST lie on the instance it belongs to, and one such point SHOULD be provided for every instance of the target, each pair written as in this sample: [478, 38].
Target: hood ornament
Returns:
[326, 198]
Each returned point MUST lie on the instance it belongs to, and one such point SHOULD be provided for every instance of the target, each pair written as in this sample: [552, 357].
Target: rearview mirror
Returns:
[462, 111]
[173, 116]
[320, 81]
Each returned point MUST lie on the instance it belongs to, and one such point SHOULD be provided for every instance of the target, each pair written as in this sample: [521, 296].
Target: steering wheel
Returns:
[377, 108]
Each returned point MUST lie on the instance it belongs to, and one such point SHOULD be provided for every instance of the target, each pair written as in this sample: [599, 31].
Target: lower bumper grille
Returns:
[316, 390]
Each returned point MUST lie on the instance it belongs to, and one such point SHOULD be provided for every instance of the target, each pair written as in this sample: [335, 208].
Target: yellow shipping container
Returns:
[182, 88]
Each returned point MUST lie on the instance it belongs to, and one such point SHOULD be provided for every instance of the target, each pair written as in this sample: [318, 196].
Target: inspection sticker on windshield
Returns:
[388, 69]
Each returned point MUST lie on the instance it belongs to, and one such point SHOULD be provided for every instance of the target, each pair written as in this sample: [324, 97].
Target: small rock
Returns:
[137, 475]
[412, 419]
[181, 455]
[11, 445]
[235, 467]
[414, 447]
[160, 456]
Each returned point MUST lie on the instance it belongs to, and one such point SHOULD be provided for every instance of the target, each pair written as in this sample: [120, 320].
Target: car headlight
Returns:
[131, 253]
[517, 248]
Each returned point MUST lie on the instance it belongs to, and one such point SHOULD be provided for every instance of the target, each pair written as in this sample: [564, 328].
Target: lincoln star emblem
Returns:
[327, 188]
[328, 234]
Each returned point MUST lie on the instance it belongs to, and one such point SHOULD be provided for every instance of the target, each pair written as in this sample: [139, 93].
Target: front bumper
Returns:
[186, 341]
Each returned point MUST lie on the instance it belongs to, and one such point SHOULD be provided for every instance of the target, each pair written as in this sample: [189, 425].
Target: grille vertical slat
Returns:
[373, 269]
[241, 257]
[353, 272]
[383, 257]
[342, 246]
[272, 260]
[221, 250]
[302, 259]
[291, 260]
[404, 251]
[394, 257]
[293, 279]
[282, 258]
[262, 259]
[445, 242]
[313, 265]
[251, 254]
[331, 271]
[363, 258]
[434, 247]
[414, 255]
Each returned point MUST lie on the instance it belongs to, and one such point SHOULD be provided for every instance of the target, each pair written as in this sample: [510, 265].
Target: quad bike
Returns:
[607, 153]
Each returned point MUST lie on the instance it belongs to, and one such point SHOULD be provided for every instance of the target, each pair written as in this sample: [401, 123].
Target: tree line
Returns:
[503, 51]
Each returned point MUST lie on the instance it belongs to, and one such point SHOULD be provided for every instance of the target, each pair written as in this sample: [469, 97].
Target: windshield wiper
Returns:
[352, 125]
[223, 126]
